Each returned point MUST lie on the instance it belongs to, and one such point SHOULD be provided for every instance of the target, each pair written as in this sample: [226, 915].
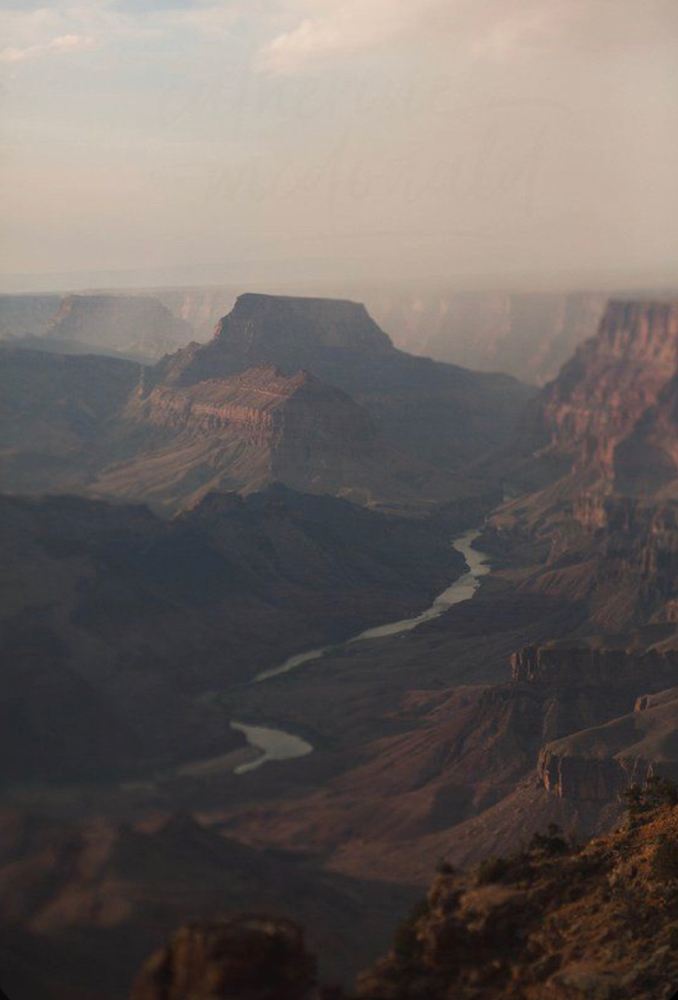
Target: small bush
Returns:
[551, 843]
[665, 859]
[444, 868]
[493, 870]
[405, 941]
[655, 793]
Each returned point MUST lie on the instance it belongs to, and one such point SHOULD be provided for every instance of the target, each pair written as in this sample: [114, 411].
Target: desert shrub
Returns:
[551, 843]
[654, 793]
[665, 859]
[493, 870]
[405, 941]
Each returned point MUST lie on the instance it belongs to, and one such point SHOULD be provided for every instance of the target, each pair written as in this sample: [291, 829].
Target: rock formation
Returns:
[609, 397]
[438, 413]
[251, 957]
[552, 920]
[93, 898]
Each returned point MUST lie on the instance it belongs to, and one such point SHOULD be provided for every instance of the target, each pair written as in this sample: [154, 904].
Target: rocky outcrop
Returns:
[599, 764]
[306, 391]
[613, 378]
[528, 335]
[136, 327]
[617, 555]
[591, 412]
[252, 957]
[265, 406]
[592, 664]
[285, 332]
[551, 920]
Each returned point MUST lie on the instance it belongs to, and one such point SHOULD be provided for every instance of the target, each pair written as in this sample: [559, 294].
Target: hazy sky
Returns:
[348, 137]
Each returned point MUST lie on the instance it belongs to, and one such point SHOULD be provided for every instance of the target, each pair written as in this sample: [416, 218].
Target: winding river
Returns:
[274, 744]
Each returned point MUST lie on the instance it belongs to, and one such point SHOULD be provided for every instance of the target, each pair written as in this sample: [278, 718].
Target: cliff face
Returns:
[253, 957]
[135, 327]
[527, 335]
[553, 920]
[612, 383]
[597, 764]
[618, 556]
[306, 391]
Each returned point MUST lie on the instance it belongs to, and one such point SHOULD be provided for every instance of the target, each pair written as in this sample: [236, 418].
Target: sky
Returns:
[179, 141]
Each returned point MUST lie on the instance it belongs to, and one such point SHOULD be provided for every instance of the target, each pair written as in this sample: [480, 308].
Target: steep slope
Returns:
[525, 334]
[135, 327]
[89, 901]
[598, 764]
[442, 414]
[53, 415]
[113, 619]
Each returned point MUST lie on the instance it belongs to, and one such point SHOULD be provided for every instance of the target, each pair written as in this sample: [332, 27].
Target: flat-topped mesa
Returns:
[287, 332]
[612, 380]
[330, 322]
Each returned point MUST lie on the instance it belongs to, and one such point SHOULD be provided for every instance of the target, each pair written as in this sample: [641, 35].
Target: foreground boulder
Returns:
[247, 957]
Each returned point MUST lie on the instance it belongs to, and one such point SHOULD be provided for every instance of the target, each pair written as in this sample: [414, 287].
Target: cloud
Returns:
[62, 45]
[488, 29]
[343, 26]
[32, 30]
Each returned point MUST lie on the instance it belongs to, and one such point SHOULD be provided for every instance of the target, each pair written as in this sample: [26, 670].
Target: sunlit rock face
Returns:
[617, 391]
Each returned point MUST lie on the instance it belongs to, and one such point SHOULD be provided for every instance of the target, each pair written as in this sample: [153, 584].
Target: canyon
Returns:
[307, 392]
[536, 700]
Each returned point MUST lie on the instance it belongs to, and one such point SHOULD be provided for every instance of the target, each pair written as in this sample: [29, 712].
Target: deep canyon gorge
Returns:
[246, 668]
